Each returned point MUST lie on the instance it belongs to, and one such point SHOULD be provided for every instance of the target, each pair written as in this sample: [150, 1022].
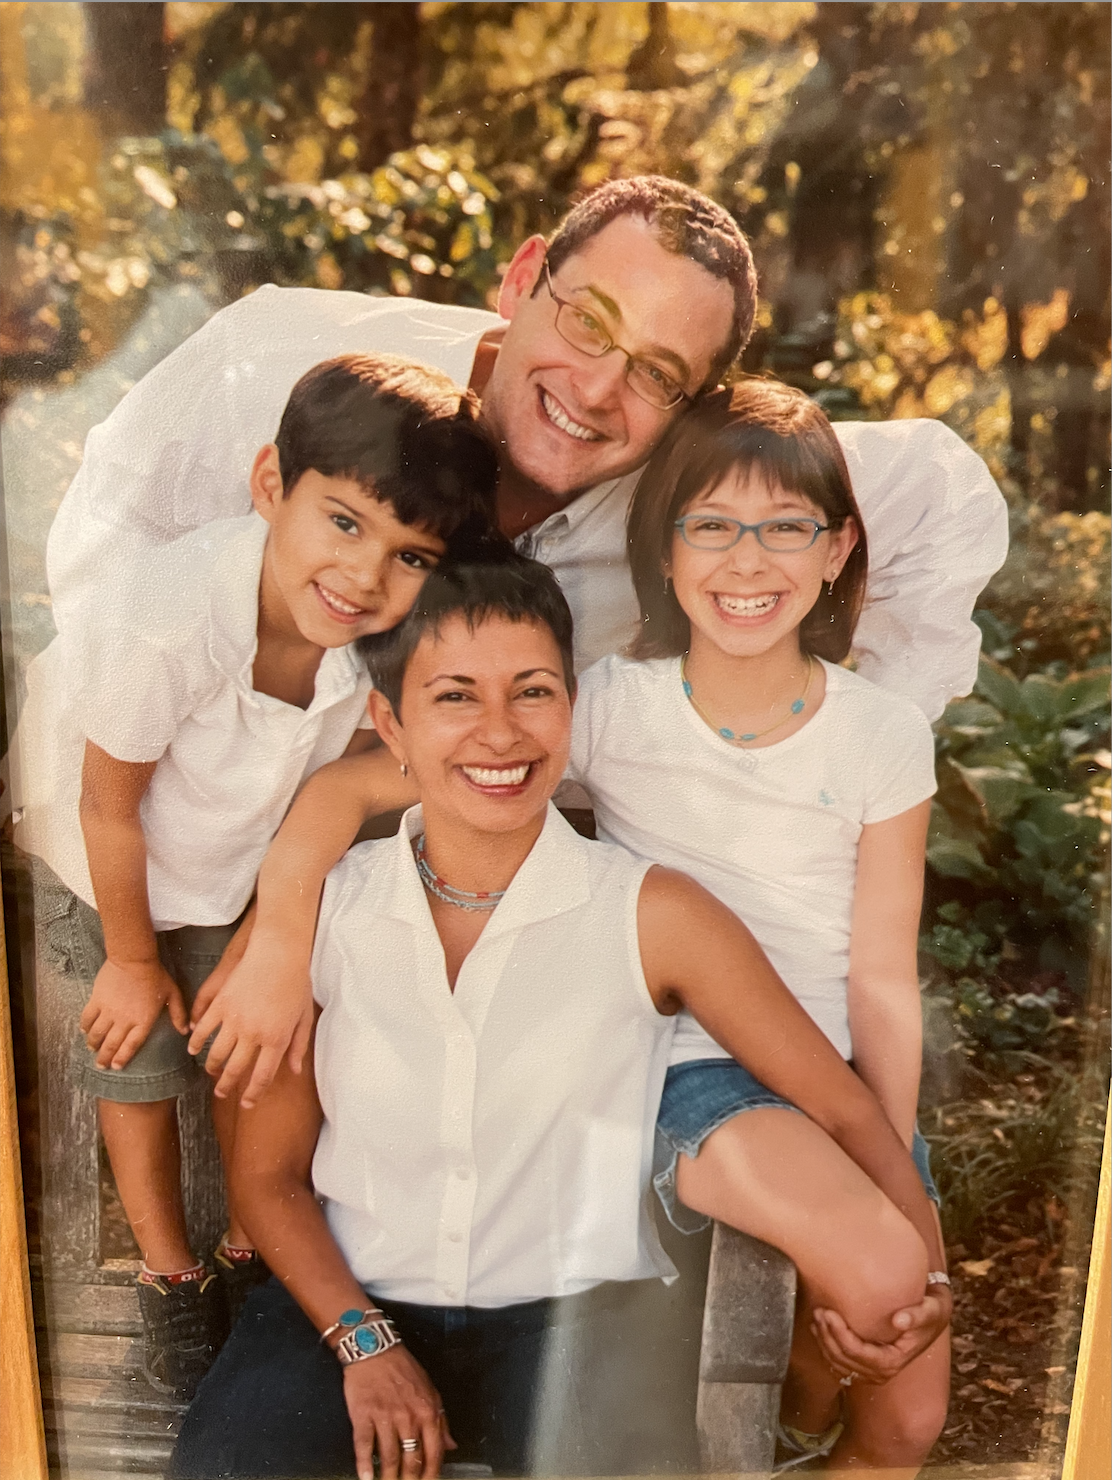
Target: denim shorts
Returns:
[71, 942]
[702, 1095]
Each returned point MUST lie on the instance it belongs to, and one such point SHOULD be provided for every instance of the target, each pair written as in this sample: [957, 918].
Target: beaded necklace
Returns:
[462, 899]
[797, 707]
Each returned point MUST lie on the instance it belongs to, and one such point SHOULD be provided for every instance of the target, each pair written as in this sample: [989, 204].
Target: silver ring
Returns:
[410, 1446]
[846, 1381]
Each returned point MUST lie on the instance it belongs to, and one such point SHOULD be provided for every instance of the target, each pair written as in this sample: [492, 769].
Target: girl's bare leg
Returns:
[774, 1174]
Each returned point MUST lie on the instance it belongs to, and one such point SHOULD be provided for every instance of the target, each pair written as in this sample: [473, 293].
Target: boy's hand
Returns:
[126, 1000]
[263, 1008]
[876, 1362]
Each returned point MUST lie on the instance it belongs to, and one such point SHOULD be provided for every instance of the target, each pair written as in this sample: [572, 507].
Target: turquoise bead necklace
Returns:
[797, 707]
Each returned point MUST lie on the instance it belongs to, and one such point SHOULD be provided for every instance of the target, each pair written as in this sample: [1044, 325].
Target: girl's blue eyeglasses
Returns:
[781, 536]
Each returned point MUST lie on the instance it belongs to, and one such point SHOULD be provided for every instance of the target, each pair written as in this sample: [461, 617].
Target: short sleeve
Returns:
[902, 773]
[592, 685]
[131, 692]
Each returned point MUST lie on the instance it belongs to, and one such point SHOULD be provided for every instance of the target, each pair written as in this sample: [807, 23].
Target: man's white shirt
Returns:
[177, 450]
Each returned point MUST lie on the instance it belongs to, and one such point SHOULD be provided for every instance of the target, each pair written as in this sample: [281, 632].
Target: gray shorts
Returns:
[162, 1067]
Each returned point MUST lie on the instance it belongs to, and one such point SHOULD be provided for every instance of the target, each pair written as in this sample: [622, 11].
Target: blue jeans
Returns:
[546, 1387]
[703, 1094]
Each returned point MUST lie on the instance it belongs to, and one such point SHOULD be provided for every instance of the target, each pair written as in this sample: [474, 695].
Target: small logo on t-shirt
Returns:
[826, 799]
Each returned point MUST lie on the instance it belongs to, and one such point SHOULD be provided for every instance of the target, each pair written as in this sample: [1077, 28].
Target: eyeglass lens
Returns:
[583, 332]
[779, 535]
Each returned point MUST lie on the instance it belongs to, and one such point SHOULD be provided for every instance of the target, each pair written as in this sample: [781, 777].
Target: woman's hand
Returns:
[260, 1000]
[390, 1398]
[920, 1326]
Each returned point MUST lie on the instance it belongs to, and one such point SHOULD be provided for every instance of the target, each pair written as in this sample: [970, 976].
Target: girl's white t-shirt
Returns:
[772, 832]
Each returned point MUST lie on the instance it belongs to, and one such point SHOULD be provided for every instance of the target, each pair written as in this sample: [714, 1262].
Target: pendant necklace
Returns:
[797, 708]
[462, 899]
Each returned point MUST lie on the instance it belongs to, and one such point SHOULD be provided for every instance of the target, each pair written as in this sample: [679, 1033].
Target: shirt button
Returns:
[455, 1237]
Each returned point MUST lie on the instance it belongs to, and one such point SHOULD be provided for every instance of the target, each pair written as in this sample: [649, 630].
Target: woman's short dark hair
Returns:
[481, 576]
[405, 432]
[758, 426]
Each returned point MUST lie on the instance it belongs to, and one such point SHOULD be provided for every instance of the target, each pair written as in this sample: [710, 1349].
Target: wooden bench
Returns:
[103, 1418]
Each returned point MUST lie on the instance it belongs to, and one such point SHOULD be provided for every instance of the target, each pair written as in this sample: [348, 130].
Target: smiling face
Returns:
[338, 563]
[484, 723]
[567, 421]
[747, 601]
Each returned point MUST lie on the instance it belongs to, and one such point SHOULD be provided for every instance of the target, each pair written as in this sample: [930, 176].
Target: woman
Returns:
[495, 1001]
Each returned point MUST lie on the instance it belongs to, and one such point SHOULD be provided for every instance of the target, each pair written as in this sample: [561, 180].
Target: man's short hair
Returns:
[406, 433]
[481, 576]
[685, 222]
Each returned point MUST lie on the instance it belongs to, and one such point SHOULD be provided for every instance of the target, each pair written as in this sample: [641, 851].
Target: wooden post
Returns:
[22, 1443]
[747, 1331]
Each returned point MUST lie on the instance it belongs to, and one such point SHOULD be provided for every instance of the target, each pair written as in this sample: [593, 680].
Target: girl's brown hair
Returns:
[777, 433]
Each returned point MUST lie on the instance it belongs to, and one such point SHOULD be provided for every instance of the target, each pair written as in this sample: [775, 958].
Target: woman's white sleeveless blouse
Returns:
[493, 1144]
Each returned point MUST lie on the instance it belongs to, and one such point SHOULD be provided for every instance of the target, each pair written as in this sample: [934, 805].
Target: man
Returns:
[641, 300]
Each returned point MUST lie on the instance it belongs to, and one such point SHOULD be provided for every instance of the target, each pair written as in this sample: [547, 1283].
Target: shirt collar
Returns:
[567, 519]
[551, 881]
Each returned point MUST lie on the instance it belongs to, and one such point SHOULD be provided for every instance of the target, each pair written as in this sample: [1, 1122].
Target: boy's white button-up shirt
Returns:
[493, 1144]
[178, 448]
[164, 673]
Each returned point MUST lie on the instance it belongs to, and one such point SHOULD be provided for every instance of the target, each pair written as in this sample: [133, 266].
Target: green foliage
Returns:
[420, 224]
[1042, 1143]
[1049, 607]
[1017, 829]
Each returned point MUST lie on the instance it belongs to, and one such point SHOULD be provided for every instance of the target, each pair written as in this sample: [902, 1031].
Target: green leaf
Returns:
[958, 858]
[970, 714]
[997, 685]
[1001, 792]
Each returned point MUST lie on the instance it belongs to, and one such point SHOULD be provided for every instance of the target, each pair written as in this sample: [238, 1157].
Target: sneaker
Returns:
[184, 1326]
[795, 1447]
[238, 1277]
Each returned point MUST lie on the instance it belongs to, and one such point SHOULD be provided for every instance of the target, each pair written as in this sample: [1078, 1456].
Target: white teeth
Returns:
[338, 604]
[492, 776]
[560, 418]
[746, 606]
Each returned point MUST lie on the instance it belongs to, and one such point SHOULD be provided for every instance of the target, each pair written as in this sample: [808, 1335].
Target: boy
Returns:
[162, 743]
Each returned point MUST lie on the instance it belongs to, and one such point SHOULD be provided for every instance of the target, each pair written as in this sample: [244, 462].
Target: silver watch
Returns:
[370, 1338]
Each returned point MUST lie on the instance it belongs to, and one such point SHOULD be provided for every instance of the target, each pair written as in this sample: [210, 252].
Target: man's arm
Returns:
[132, 986]
[263, 1006]
[937, 528]
[389, 1397]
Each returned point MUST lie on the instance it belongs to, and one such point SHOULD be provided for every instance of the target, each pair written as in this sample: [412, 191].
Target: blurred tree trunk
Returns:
[387, 108]
[125, 76]
[653, 64]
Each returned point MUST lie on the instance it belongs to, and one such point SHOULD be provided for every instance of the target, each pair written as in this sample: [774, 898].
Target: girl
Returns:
[731, 746]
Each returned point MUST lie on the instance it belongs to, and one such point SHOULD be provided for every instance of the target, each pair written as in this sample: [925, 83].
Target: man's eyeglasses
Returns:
[582, 330]
[781, 536]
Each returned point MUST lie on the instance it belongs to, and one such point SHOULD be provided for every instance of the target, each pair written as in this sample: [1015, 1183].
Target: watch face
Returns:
[366, 1340]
